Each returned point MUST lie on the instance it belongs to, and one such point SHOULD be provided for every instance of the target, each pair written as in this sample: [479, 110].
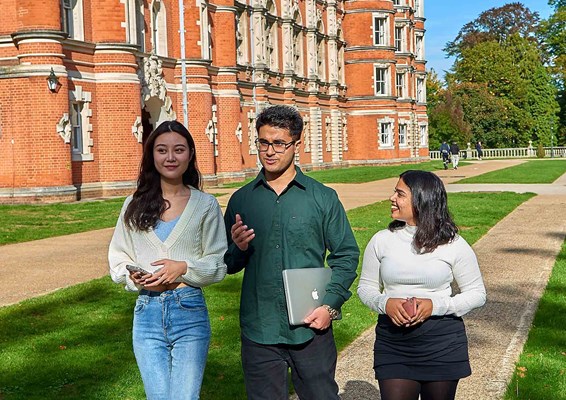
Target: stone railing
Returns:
[518, 152]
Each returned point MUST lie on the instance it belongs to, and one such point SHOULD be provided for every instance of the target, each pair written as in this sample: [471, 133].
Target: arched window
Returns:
[159, 28]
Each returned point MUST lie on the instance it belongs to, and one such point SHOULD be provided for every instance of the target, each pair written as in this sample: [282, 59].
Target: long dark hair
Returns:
[148, 203]
[430, 210]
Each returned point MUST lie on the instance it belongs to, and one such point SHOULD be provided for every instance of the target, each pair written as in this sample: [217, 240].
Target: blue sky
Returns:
[444, 19]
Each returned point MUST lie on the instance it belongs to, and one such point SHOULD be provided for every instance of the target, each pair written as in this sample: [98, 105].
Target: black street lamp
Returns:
[53, 82]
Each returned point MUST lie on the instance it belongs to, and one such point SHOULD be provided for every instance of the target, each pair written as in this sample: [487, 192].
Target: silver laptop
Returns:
[304, 290]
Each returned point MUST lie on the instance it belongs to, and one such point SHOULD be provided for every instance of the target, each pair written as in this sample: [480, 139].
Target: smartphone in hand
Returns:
[410, 306]
[135, 268]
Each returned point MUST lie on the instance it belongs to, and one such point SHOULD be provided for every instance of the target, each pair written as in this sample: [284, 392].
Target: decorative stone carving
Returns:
[252, 134]
[137, 129]
[152, 81]
[64, 128]
[238, 132]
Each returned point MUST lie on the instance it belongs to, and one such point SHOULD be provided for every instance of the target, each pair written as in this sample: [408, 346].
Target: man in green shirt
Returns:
[282, 220]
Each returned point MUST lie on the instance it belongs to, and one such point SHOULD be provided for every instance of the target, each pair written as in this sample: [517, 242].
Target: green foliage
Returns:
[540, 151]
[495, 24]
[507, 94]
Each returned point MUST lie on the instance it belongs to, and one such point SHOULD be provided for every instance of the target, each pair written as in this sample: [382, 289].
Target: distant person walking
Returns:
[455, 150]
[479, 149]
[445, 152]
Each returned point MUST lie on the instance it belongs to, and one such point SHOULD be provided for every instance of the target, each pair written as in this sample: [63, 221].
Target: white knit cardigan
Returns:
[199, 239]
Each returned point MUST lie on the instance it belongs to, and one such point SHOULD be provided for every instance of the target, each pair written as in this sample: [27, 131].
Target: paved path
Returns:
[516, 257]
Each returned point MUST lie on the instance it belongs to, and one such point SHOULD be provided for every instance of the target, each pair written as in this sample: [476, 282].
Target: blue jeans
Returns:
[171, 335]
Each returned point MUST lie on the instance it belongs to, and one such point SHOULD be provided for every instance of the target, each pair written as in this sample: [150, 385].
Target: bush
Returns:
[540, 151]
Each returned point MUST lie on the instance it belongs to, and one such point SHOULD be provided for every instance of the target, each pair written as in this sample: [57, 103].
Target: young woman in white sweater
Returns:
[419, 256]
[175, 233]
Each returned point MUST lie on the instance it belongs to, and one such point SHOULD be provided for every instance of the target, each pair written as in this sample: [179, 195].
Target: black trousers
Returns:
[313, 365]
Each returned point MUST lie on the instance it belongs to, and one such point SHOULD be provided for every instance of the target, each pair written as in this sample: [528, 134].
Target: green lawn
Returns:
[22, 223]
[534, 171]
[361, 174]
[541, 370]
[76, 342]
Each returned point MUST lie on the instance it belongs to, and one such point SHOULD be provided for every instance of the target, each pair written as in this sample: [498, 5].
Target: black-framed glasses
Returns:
[278, 145]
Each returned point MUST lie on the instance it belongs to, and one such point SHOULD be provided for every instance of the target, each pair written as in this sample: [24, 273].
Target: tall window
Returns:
[380, 31]
[385, 134]
[72, 18]
[421, 97]
[159, 28]
[205, 33]
[423, 135]
[419, 49]
[320, 58]
[396, 2]
[242, 42]
[77, 128]
[399, 38]
[400, 85]
[381, 81]
[271, 43]
[135, 31]
[402, 134]
[298, 51]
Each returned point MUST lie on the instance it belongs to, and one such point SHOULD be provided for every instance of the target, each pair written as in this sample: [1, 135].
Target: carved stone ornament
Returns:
[152, 81]
[137, 129]
[238, 132]
[64, 128]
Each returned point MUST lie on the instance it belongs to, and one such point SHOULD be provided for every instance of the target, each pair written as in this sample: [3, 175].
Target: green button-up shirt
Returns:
[292, 230]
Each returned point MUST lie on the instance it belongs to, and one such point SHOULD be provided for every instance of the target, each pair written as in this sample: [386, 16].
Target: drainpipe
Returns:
[183, 64]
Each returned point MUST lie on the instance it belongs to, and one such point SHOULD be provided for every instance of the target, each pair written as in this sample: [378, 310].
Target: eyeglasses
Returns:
[278, 146]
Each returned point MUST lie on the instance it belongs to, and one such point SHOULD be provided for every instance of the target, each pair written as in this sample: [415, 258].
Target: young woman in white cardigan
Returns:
[419, 255]
[176, 234]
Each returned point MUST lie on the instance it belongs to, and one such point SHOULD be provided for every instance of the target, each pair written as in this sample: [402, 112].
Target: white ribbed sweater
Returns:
[392, 269]
[199, 239]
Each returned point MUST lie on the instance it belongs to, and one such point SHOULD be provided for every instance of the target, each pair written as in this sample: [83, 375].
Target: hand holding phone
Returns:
[135, 268]
[410, 306]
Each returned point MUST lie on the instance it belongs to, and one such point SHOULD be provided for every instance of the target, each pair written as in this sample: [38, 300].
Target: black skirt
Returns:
[436, 350]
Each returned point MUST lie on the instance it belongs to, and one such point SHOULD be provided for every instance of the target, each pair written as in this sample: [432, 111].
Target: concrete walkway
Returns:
[516, 258]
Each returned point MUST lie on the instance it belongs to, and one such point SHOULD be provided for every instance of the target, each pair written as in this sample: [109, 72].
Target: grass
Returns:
[541, 370]
[22, 223]
[360, 174]
[76, 342]
[534, 171]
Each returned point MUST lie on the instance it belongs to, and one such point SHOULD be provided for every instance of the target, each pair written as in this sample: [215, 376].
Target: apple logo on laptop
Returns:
[314, 294]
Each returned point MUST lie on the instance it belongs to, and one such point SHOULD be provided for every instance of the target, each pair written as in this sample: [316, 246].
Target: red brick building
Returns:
[355, 70]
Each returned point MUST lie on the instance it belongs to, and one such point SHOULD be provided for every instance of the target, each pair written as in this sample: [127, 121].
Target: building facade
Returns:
[354, 69]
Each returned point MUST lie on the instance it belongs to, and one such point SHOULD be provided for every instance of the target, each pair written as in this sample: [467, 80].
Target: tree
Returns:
[495, 24]
[507, 94]
[552, 34]
[445, 114]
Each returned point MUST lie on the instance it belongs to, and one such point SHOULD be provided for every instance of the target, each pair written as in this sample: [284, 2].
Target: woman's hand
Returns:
[167, 274]
[424, 311]
[395, 311]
